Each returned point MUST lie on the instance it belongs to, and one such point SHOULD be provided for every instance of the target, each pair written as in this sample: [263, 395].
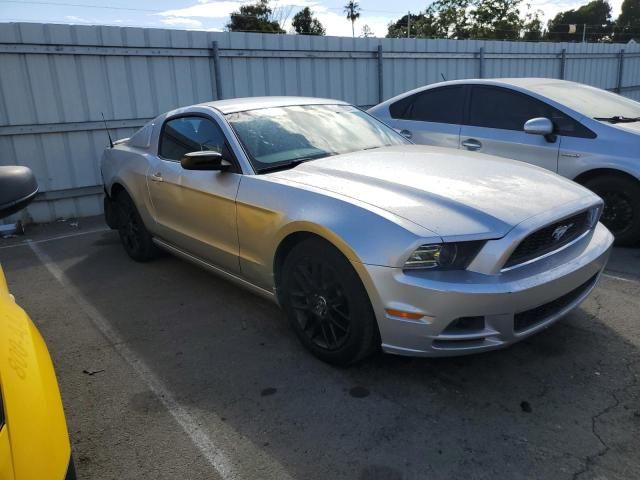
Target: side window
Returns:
[440, 105]
[399, 109]
[567, 126]
[493, 107]
[190, 134]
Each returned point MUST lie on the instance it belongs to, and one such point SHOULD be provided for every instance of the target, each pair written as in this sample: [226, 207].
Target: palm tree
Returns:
[352, 9]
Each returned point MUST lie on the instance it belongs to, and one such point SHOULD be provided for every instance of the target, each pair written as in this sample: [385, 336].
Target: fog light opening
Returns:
[466, 324]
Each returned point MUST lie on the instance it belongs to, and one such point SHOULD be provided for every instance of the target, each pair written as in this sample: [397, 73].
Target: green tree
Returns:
[628, 23]
[596, 15]
[255, 17]
[352, 9]
[442, 19]
[496, 20]
[398, 29]
[446, 19]
[483, 19]
[533, 29]
[305, 23]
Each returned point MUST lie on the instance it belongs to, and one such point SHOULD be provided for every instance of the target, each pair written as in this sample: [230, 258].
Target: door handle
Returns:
[472, 144]
[157, 177]
[406, 133]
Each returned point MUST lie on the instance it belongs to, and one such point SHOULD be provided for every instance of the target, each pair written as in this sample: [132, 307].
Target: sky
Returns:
[214, 14]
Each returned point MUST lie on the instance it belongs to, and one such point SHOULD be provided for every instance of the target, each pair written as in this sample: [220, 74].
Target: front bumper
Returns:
[498, 310]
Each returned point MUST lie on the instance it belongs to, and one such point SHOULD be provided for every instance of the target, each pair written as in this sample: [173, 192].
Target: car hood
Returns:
[633, 127]
[452, 193]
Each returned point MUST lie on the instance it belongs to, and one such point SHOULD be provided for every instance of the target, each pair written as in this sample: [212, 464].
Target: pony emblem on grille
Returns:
[559, 232]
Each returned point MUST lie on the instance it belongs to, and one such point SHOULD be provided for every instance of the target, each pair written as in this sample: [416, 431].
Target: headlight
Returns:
[443, 256]
[594, 216]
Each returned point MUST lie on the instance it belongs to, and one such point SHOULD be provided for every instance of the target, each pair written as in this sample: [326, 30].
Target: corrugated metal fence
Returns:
[57, 80]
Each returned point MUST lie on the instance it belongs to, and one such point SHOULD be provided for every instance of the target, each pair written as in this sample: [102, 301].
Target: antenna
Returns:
[107, 129]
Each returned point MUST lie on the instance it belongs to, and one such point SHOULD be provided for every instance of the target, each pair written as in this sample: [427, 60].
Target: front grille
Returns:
[529, 318]
[550, 238]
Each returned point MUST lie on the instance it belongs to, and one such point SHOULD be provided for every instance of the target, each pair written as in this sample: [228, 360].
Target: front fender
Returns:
[584, 166]
[271, 210]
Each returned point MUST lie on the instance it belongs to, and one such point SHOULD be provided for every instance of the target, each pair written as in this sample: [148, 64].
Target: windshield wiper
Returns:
[291, 163]
[618, 119]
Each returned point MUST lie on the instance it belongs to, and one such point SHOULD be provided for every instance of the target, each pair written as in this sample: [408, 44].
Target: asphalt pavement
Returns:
[167, 371]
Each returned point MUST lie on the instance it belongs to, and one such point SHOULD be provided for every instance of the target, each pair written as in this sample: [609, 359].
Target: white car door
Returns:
[495, 125]
[195, 210]
[431, 117]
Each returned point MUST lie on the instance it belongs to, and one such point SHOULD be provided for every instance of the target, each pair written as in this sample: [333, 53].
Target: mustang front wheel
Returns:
[327, 305]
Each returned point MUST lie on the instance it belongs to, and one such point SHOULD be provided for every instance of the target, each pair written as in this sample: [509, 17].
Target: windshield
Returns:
[589, 101]
[288, 135]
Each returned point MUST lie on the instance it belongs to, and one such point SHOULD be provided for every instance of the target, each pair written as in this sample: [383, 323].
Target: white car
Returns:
[583, 133]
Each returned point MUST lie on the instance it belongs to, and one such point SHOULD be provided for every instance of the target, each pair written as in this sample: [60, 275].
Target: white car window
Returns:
[439, 105]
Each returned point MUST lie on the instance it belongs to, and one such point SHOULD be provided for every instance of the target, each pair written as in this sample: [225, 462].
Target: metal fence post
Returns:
[481, 58]
[216, 69]
[380, 76]
[563, 62]
[620, 70]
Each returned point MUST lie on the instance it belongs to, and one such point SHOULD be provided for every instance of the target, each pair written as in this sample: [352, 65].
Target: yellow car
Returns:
[34, 443]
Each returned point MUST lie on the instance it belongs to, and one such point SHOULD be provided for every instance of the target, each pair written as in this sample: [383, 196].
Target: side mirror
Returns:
[18, 187]
[539, 126]
[205, 160]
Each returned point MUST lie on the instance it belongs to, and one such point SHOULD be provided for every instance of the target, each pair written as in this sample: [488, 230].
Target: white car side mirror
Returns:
[539, 126]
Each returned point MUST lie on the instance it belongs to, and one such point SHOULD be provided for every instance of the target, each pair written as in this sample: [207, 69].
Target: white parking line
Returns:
[59, 237]
[223, 464]
[622, 279]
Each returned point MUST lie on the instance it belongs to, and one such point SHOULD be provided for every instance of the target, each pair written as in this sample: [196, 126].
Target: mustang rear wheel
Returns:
[134, 236]
[327, 304]
[621, 212]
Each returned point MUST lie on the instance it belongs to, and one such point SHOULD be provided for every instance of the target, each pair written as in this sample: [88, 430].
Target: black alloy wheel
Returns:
[321, 309]
[135, 237]
[621, 214]
[327, 305]
[618, 212]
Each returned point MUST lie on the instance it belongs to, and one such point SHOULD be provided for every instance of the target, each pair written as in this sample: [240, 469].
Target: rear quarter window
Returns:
[439, 105]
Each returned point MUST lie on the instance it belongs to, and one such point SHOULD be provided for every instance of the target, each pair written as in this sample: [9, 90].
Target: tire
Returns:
[110, 213]
[621, 213]
[327, 305]
[135, 237]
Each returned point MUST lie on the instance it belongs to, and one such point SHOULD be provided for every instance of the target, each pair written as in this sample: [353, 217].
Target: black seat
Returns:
[18, 186]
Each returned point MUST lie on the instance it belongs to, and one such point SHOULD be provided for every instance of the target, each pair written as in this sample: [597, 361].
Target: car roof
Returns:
[523, 82]
[253, 103]
[528, 82]
[531, 85]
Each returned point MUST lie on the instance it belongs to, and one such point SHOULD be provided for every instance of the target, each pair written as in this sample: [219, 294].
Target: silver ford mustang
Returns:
[363, 238]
